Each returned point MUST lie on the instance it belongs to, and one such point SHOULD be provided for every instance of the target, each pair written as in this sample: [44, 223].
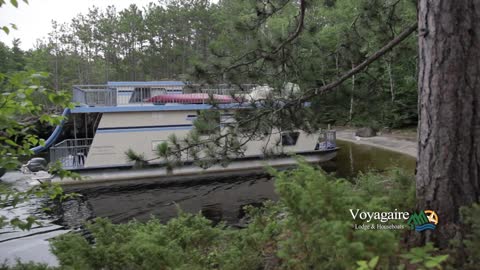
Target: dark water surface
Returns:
[354, 158]
[223, 199]
[217, 199]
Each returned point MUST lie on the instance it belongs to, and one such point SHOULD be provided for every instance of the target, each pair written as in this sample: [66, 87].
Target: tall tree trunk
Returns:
[390, 77]
[448, 169]
[350, 114]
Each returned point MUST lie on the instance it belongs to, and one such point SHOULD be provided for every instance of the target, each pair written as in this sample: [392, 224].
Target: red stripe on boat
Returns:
[191, 98]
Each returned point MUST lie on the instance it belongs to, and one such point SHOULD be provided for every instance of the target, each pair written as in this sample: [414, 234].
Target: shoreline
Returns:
[406, 147]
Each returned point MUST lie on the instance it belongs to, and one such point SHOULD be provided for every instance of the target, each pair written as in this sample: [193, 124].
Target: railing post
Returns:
[115, 94]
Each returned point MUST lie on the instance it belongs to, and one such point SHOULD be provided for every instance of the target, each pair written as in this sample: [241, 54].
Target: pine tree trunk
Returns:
[350, 113]
[448, 169]
[390, 77]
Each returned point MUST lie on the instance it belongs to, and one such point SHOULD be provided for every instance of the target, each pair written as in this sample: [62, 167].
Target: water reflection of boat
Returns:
[111, 119]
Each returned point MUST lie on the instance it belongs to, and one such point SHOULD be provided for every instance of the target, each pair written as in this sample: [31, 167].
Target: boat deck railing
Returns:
[95, 95]
[104, 95]
[71, 153]
[219, 89]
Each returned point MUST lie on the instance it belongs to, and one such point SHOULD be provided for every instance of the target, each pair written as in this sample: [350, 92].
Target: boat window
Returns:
[157, 91]
[290, 138]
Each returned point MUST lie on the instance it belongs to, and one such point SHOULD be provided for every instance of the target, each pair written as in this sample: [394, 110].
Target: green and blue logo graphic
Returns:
[421, 221]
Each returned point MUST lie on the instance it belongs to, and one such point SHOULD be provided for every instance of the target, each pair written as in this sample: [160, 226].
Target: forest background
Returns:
[194, 40]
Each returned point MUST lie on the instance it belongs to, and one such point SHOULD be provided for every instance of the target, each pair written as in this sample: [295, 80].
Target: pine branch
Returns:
[263, 54]
[310, 93]
[357, 69]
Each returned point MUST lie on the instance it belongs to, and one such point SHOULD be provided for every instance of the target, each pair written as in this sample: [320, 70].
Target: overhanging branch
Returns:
[390, 45]
[310, 93]
[292, 37]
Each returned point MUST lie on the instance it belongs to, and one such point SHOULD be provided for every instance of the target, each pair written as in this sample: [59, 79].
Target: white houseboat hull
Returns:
[188, 173]
[118, 132]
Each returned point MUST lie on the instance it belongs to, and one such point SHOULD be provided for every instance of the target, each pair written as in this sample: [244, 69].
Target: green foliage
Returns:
[14, 3]
[471, 243]
[138, 160]
[384, 95]
[310, 227]
[152, 245]
[56, 168]
[187, 242]
[234, 42]
[23, 101]
[207, 122]
[163, 149]
[368, 265]
[25, 266]
[157, 42]
[422, 258]
[395, 189]
[207, 144]
[319, 223]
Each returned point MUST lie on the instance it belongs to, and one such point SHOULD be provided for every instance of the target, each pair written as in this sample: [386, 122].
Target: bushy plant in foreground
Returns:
[319, 224]
[310, 227]
[468, 251]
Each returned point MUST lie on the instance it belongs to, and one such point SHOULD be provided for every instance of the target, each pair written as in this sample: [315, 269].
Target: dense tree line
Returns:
[197, 40]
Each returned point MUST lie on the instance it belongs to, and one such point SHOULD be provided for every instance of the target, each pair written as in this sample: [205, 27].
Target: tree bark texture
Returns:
[448, 168]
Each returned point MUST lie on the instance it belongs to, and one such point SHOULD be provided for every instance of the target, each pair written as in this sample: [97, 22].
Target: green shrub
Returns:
[424, 257]
[319, 224]
[310, 227]
[469, 255]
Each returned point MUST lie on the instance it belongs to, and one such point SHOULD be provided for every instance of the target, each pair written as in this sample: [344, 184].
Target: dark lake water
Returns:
[223, 199]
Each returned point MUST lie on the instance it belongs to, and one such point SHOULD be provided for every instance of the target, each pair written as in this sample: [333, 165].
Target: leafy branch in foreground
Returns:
[24, 101]
[14, 3]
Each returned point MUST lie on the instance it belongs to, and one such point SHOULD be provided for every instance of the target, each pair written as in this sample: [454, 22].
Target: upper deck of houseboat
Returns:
[135, 96]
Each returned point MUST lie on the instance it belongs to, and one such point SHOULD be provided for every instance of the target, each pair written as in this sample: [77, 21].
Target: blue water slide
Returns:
[54, 136]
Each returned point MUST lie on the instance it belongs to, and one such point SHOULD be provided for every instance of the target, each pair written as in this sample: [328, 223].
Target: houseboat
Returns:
[110, 119]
